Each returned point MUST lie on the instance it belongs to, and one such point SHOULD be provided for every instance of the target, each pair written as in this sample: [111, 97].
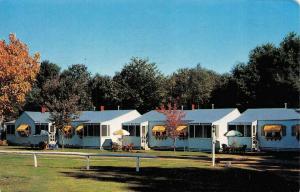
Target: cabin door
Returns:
[144, 143]
[52, 135]
[254, 138]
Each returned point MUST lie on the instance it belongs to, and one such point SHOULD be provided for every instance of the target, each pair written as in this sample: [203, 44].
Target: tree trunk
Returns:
[174, 144]
[62, 139]
[1, 127]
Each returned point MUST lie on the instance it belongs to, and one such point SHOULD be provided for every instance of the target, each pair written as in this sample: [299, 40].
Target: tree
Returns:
[36, 97]
[79, 74]
[140, 85]
[104, 91]
[269, 79]
[192, 85]
[173, 120]
[18, 71]
[62, 103]
[226, 93]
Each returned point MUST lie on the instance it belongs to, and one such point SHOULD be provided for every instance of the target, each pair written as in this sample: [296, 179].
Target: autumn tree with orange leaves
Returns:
[18, 71]
[174, 118]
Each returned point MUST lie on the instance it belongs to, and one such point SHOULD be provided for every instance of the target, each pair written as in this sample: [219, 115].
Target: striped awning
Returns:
[79, 128]
[159, 128]
[22, 128]
[272, 128]
[67, 128]
[181, 128]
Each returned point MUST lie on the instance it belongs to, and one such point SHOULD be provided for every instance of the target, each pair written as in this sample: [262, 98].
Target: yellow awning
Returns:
[159, 128]
[67, 127]
[79, 128]
[22, 127]
[181, 128]
[272, 128]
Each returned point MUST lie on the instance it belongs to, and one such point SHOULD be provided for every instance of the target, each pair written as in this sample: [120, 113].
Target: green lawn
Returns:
[180, 171]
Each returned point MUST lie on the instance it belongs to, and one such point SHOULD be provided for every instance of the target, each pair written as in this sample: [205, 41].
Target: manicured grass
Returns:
[180, 171]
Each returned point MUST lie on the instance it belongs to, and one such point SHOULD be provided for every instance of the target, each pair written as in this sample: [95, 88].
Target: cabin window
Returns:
[207, 131]
[240, 128]
[273, 132]
[200, 131]
[131, 130]
[134, 130]
[96, 130]
[245, 130]
[159, 132]
[125, 127]
[39, 127]
[137, 130]
[24, 130]
[296, 131]
[85, 130]
[10, 129]
[192, 131]
[105, 130]
[248, 131]
[160, 135]
[92, 129]
[231, 127]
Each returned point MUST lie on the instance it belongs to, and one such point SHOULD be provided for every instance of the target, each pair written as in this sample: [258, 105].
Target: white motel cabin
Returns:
[94, 129]
[27, 129]
[276, 129]
[148, 130]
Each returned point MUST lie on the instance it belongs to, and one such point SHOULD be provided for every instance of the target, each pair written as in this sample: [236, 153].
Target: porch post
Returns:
[35, 160]
[213, 145]
[137, 169]
[88, 162]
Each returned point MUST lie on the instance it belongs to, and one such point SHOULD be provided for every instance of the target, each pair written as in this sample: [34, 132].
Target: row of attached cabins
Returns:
[265, 129]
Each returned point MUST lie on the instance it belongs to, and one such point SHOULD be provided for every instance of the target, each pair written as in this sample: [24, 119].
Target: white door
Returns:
[52, 135]
[254, 138]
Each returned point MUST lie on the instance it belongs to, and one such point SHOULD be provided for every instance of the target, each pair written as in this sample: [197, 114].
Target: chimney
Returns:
[43, 109]
[285, 105]
[212, 106]
[101, 108]
[193, 106]
[118, 107]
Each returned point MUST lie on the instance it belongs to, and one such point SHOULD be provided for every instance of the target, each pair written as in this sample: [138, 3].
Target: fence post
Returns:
[88, 162]
[137, 169]
[35, 160]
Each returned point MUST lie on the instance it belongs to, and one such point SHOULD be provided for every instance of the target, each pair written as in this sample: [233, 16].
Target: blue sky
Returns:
[174, 34]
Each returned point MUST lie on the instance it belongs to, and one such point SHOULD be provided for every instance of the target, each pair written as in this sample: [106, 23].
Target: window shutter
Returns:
[283, 130]
[262, 131]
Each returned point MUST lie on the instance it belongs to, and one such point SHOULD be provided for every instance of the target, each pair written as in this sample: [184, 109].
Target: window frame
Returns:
[202, 134]
[134, 129]
[10, 129]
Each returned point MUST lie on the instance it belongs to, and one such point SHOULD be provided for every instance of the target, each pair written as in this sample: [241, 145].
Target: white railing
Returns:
[87, 155]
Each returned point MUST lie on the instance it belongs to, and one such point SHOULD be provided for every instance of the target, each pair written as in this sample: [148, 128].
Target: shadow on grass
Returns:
[187, 179]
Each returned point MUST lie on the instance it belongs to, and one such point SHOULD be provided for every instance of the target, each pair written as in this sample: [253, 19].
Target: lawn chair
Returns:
[115, 146]
[128, 147]
[225, 148]
[243, 149]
